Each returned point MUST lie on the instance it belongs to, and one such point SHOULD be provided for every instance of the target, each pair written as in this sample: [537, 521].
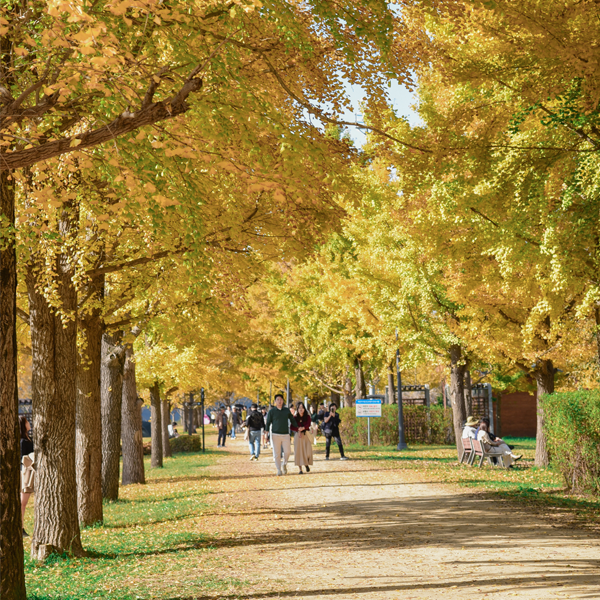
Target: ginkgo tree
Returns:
[503, 186]
[56, 98]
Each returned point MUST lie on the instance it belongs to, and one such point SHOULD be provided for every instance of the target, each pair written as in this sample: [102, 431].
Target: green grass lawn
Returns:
[146, 545]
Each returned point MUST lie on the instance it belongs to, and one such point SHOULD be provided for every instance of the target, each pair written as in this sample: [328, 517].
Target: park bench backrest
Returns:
[466, 442]
[477, 447]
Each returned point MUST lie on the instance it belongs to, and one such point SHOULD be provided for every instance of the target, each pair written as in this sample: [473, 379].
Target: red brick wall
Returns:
[518, 417]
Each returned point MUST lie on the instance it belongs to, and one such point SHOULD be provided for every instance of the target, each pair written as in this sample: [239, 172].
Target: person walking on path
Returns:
[221, 422]
[317, 421]
[331, 429]
[235, 421]
[255, 424]
[303, 455]
[266, 438]
[27, 471]
[279, 420]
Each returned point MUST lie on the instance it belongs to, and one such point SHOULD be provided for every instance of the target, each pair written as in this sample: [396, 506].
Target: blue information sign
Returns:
[368, 407]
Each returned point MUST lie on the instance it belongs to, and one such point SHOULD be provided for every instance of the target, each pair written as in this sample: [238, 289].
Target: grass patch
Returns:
[151, 544]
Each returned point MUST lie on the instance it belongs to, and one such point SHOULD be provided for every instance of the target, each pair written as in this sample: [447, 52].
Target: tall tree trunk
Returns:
[468, 391]
[544, 377]
[457, 393]
[165, 420]
[54, 390]
[12, 577]
[348, 391]
[88, 441]
[361, 386]
[111, 387]
[391, 387]
[156, 459]
[131, 425]
[186, 415]
[336, 399]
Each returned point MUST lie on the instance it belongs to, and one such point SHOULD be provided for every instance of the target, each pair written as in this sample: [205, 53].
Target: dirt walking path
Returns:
[362, 530]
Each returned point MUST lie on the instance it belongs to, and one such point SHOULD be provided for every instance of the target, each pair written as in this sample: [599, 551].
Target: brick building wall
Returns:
[518, 416]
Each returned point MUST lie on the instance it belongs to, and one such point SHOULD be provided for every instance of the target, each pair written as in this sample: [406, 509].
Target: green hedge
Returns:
[186, 443]
[572, 428]
[422, 425]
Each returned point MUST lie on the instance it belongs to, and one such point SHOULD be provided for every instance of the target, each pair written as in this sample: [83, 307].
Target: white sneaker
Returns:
[252, 458]
[344, 458]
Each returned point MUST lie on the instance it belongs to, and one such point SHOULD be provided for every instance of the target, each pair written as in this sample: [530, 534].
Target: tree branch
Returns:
[133, 263]
[23, 315]
[321, 115]
[124, 123]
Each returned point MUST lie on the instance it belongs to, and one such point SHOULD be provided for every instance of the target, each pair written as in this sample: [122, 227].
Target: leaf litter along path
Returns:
[362, 530]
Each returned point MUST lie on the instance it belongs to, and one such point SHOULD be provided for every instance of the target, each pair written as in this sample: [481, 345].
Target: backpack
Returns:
[255, 420]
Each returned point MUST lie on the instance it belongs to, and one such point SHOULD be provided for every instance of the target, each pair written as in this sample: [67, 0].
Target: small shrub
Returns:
[422, 425]
[572, 428]
[186, 443]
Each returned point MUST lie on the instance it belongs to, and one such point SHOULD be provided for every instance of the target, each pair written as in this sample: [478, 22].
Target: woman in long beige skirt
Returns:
[303, 455]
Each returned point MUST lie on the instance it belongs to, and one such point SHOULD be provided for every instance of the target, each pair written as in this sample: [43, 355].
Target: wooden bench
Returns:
[478, 450]
[467, 453]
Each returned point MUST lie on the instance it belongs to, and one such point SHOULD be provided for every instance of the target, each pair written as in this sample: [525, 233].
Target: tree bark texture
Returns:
[149, 112]
[544, 377]
[12, 577]
[156, 459]
[391, 387]
[111, 390]
[457, 393]
[336, 399]
[88, 420]
[165, 420]
[361, 385]
[131, 425]
[54, 390]
[468, 391]
[186, 419]
[348, 392]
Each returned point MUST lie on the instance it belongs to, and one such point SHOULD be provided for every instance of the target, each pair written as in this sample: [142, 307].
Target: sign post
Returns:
[401, 435]
[368, 407]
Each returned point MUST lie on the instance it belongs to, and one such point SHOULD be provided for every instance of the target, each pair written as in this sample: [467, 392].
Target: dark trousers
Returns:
[338, 440]
[222, 436]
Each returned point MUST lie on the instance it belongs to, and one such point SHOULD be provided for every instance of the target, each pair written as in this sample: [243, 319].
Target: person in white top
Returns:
[496, 446]
[469, 431]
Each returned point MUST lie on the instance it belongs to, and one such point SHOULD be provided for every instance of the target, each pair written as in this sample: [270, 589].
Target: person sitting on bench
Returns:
[494, 438]
[496, 446]
[469, 431]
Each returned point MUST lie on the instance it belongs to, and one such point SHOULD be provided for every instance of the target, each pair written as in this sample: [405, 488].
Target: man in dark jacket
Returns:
[221, 422]
[279, 420]
[255, 424]
[331, 429]
[235, 421]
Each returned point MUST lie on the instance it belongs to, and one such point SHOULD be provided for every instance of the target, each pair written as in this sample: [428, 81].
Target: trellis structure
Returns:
[412, 395]
[482, 403]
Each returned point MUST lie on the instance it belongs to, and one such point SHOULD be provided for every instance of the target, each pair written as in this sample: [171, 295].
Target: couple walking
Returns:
[280, 420]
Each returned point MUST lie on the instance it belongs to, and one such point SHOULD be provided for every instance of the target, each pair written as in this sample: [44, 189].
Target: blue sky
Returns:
[401, 99]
